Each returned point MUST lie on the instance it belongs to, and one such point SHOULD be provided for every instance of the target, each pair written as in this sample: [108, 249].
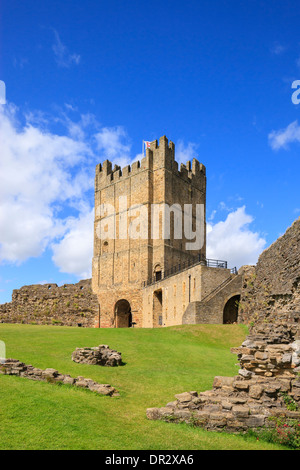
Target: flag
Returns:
[147, 144]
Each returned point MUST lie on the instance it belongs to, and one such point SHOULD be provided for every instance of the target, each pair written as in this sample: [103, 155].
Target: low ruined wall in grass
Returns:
[18, 368]
[267, 385]
[70, 305]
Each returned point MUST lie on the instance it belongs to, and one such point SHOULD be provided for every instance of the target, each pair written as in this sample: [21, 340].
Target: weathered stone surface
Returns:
[49, 304]
[241, 385]
[256, 421]
[69, 380]
[15, 367]
[153, 413]
[220, 382]
[255, 391]
[184, 397]
[240, 411]
[101, 355]
[270, 356]
[272, 288]
[245, 373]
[261, 356]
[49, 373]
[250, 398]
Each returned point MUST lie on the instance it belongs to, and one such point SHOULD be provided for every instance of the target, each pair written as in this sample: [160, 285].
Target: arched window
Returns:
[157, 273]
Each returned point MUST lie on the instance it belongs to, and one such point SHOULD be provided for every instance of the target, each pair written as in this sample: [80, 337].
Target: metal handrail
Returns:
[218, 288]
[211, 263]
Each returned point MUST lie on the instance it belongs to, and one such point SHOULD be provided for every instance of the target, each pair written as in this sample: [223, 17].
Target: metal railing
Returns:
[210, 263]
[218, 288]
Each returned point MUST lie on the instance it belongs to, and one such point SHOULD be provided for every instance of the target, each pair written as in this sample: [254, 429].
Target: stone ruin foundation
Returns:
[101, 355]
[15, 367]
[268, 379]
[268, 382]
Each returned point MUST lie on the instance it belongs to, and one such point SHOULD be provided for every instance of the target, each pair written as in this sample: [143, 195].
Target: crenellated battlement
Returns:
[160, 155]
[194, 172]
[106, 175]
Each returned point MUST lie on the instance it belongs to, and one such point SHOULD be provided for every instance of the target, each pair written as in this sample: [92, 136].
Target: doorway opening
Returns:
[123, 315]
[231, 310]
[157, 309]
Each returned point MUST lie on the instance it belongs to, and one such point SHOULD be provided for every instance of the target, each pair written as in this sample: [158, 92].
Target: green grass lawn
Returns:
[159, 364]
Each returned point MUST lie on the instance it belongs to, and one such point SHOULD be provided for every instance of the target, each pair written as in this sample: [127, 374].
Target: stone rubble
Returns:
[18, 368]
[101, 355]
[268, 376]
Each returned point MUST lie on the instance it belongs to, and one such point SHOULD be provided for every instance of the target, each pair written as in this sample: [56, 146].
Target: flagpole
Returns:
[143, 148]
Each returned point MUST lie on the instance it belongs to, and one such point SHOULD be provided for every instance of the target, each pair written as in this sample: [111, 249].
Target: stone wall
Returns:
[180, 292]
[100, 355]
[70, 305]
[18, 368]
[273, 285]
[267, 384]
[211, 308]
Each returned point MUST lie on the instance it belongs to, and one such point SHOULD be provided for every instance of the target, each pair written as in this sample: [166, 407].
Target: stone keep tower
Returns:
[123, 263]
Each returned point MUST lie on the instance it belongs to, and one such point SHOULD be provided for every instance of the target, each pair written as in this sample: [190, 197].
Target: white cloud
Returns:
[73, 254]
[283, 137]
[39, 173]
[44, 177]
[113, 142]
[185, 153]
[232, 240]
[114, 145]
[62, 55]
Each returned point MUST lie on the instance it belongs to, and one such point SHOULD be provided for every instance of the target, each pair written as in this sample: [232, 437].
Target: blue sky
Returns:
[86, 81]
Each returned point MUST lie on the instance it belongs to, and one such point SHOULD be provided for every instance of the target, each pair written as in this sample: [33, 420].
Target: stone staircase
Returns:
[210, 308]
[221, 286]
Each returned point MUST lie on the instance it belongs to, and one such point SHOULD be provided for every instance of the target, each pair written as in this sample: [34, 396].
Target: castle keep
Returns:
[149, 267]
[148, 270]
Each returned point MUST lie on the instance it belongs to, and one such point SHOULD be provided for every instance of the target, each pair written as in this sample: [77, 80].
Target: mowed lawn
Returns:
[159, 364]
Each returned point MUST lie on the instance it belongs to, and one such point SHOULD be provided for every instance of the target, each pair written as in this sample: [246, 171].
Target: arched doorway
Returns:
[157, 309]
[231, 310]
[123, 316]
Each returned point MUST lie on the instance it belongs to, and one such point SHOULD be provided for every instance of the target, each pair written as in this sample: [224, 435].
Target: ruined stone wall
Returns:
[267, 385]
[273, 285]
[52, 376]
[70, 305]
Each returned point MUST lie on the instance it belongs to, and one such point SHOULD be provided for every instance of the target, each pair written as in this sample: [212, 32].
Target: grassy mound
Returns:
[158, 364]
